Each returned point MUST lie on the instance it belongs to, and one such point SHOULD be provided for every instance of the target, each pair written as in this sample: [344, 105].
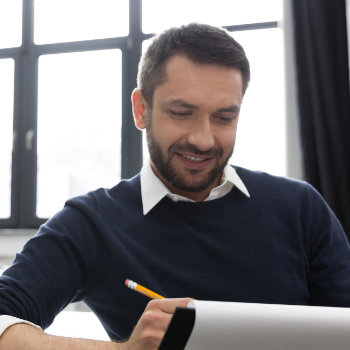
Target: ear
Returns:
[139, 109]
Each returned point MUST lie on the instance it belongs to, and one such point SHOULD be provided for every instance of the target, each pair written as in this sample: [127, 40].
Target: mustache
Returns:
[189, 148]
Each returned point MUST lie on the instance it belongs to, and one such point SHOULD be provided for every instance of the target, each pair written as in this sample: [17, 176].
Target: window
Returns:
[261, 136]
[158, 14]
[83, 20]
[6, 126]
[10, 23]
[66, 81]
[79, 126]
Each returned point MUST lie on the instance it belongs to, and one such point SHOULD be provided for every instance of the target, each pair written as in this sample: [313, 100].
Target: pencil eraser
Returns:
[127, 282]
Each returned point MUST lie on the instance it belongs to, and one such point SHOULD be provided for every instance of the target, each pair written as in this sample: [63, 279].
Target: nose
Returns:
[201, 135]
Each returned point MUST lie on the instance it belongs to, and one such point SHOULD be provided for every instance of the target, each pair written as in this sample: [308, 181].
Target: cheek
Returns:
[168, 132]
[226, 138]
[165, 137]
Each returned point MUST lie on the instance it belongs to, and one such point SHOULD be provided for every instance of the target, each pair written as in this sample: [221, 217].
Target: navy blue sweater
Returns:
[282, 245]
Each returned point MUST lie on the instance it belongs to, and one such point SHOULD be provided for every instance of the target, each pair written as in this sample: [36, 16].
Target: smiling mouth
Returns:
[193, 162]
[192, 158]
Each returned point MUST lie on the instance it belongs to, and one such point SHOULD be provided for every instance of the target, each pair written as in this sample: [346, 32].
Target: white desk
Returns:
[77, 324]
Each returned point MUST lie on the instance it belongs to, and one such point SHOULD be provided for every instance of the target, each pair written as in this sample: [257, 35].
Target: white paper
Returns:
[244, 326]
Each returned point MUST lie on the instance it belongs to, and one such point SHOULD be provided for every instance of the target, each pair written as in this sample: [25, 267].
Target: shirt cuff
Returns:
[7, 321]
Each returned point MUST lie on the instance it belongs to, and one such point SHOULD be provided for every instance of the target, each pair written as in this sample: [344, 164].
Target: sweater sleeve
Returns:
[328, 253]
[53, 270]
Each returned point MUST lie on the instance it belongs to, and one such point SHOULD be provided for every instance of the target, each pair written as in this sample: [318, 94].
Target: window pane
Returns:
[82, 19]
[10, 23]
[159, 14]
[79, 125]
[261, 136]
[6, 127]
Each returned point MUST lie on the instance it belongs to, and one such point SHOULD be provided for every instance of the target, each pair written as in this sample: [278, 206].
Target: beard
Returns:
[195, 182]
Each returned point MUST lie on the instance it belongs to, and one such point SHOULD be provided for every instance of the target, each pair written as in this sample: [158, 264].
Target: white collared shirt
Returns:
[153, 189]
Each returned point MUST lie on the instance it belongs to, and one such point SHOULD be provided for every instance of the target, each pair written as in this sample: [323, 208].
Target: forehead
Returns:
[205, 83]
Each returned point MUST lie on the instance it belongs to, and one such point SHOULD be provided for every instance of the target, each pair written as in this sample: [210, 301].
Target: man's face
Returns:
[191, 128]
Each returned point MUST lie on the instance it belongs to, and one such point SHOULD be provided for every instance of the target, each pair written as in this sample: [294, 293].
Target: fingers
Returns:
[168, 305]
[153, 323]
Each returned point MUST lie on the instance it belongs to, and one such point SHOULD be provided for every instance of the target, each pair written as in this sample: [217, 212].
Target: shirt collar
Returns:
[153, 190]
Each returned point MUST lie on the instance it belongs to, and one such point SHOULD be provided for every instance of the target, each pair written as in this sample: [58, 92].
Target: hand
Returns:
[153, 323]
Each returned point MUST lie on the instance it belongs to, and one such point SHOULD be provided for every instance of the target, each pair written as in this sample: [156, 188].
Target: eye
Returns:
[178, 114]
[225, 119]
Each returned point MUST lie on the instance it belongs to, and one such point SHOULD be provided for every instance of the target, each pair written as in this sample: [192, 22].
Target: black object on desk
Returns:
[179, 329]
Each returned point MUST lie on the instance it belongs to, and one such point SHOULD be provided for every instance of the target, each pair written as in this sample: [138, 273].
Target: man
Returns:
[189, 225]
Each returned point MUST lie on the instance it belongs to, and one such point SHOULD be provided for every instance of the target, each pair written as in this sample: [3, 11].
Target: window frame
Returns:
[26, 56]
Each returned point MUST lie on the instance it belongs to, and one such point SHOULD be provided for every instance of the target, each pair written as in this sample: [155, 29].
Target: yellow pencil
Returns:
[143, 290]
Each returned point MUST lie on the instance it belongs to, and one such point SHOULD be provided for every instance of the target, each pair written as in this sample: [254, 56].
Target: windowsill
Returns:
[13, 240]
[17, 232]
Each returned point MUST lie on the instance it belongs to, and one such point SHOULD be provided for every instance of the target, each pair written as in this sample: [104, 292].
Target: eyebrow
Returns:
[178, 102]
[230, 109]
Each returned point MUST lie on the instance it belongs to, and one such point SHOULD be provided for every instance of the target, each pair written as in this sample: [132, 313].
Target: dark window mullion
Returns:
[17, 145]
[28, 140]
[80, 46]
[26, 97]
[252, 26]
[131, 137]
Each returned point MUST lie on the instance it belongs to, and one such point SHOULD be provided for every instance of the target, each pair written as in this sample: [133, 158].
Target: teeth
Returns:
[193, 159]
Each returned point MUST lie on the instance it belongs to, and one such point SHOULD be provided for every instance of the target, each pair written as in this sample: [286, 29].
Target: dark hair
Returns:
[201, 43]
